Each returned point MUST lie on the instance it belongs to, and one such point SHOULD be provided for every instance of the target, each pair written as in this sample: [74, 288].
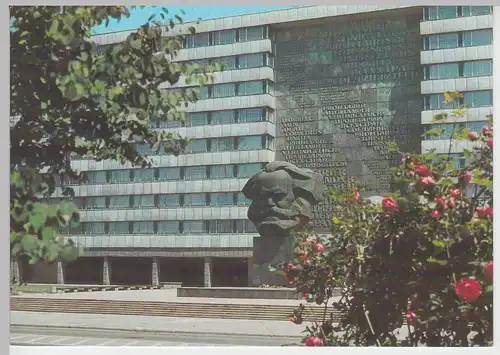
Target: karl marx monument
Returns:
[282, 196]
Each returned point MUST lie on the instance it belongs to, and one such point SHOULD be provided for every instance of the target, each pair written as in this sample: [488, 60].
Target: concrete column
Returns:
[155, 272]
[250, 272]
[60, 273]
[106, 271]
[15, 272]
[207, 272]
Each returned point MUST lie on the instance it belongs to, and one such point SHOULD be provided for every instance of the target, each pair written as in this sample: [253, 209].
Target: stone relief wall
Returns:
[342, 89]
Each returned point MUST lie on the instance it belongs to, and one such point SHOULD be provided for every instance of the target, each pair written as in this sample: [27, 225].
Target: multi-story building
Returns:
[319, 86]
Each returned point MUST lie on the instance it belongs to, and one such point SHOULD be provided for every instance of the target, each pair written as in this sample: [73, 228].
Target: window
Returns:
[250, 143]
[197, 119]
[194, 227]
[96, 202]
[477, 38]
[221, 226]
[120, 176]
[228, 63]
[242, 200]
[197, 146]
[144, 175]
[143, 149]
[248, 170]
[478, 98]
[197, 40]
[168, 227]
[165, 174]
[94, 228]
[223, 90]
[222, 117]
[144, 201]
[251, 115]
[440, 12]
[222, 144]
[245, 226]
[224, 37]
[251, 88]
[171, 200]
[222, 199]
[476, 10]
[95, 177]
[202, 93]
[195, 173]
[197, 199]
[221, 171]
[251, 61]
[436, 102]
[448, 128]
[251, 34]
[441, 41]
[143, 228]
[478, 68]
[169, 123]
[119, 228]
[79, 202]
[442, 71]
[119, 202]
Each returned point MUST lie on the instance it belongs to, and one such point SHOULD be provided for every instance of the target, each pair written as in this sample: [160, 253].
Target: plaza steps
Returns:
[163, 309]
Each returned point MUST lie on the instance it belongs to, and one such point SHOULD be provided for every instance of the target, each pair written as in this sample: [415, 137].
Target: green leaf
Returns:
[336, 220]
[433, 132]
[436, 261]
[439, 244]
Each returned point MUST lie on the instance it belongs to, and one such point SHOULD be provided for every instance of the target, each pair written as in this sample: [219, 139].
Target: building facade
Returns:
[320, 86]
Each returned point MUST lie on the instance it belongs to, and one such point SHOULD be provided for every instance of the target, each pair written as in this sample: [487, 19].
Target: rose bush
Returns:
[420, 263]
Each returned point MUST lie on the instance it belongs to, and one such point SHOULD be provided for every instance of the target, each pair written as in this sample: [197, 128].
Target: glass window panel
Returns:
[250, 227]
[194, 227]
[221, 199]
[476, 10]
[223, 90]
[242, 200]
[94, 228]
[447, 12]
[251, 34]
[251, 88]
[197, 199]
[249, 143]
[477, 38]
[144, 200]
[228, 63]
[143, 228]
[436, 101]
[478, 98]
[224, 37]
[202, 93]
[448, 40]
[94, 177]
[221, 171]
[119, 228]
[144, 175]
[197, 119]
[251, 61]
[195, 173]
[431, 13]
[96, 202]
[222, 144]
[198, 40]
[221, 226]
[169, 123]
[222, 117]
[119, 202]
[120, 176]
[197, 146]
[168, 227]
[79, 202]
[248, 170]
[169, 173]
[443, 71]
[478, 68]
[251, 115]
[170, 200]
[143, 148]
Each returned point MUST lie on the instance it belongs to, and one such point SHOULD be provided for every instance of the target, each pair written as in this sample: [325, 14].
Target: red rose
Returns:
[487, 131]
[389, 204]
[468, 289]
[467, 177]
[314, 341]
[455, 193]
[488, 271]
[410, 316]
[440, 201]
[451, 203]
[290, 280]
[436, 214]
[484, 211]
[355, 194]
[490, 142]
[426, 181]
[473, 136]
[320, 248]
[305, 295]
[411, 173]
[422, 170]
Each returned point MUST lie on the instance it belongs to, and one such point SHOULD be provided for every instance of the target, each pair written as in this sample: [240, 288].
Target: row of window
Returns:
[448, 128]
[258, 114]
[226, 37]
[458, 39]
[217, 91]
[212, 199]
[163, 227]
[449, 12]
[459, 70]
[480, 98]
[243, 61]
[201, 172]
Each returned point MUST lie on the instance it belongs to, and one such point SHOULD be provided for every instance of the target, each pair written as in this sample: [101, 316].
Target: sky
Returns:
[192, 13]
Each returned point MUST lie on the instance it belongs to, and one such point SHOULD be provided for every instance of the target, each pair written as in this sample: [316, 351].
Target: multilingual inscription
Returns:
[343, 90]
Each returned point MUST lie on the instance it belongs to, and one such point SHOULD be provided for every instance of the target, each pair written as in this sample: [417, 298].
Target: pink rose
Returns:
[451, 203]
[440, 201]
[455, 193]
[427, 181]
[488, 271]
[473, 136]
[320, 248]
[422, 170]
[487, 131]
[411, 173]
[467, 177]
[436, 214]
[389, 204]
[490, 142]
[484, 211]
[314, 341]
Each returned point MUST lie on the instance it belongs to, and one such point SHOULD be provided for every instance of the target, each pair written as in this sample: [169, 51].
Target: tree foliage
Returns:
[70, 96]
[421, 262]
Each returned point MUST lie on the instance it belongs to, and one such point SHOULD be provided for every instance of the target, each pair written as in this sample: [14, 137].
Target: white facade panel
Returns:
[456, 54]
[442, 146]
[472, 114]
[225, 130]
[458, 84]
[232, 103]
[468, 23]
